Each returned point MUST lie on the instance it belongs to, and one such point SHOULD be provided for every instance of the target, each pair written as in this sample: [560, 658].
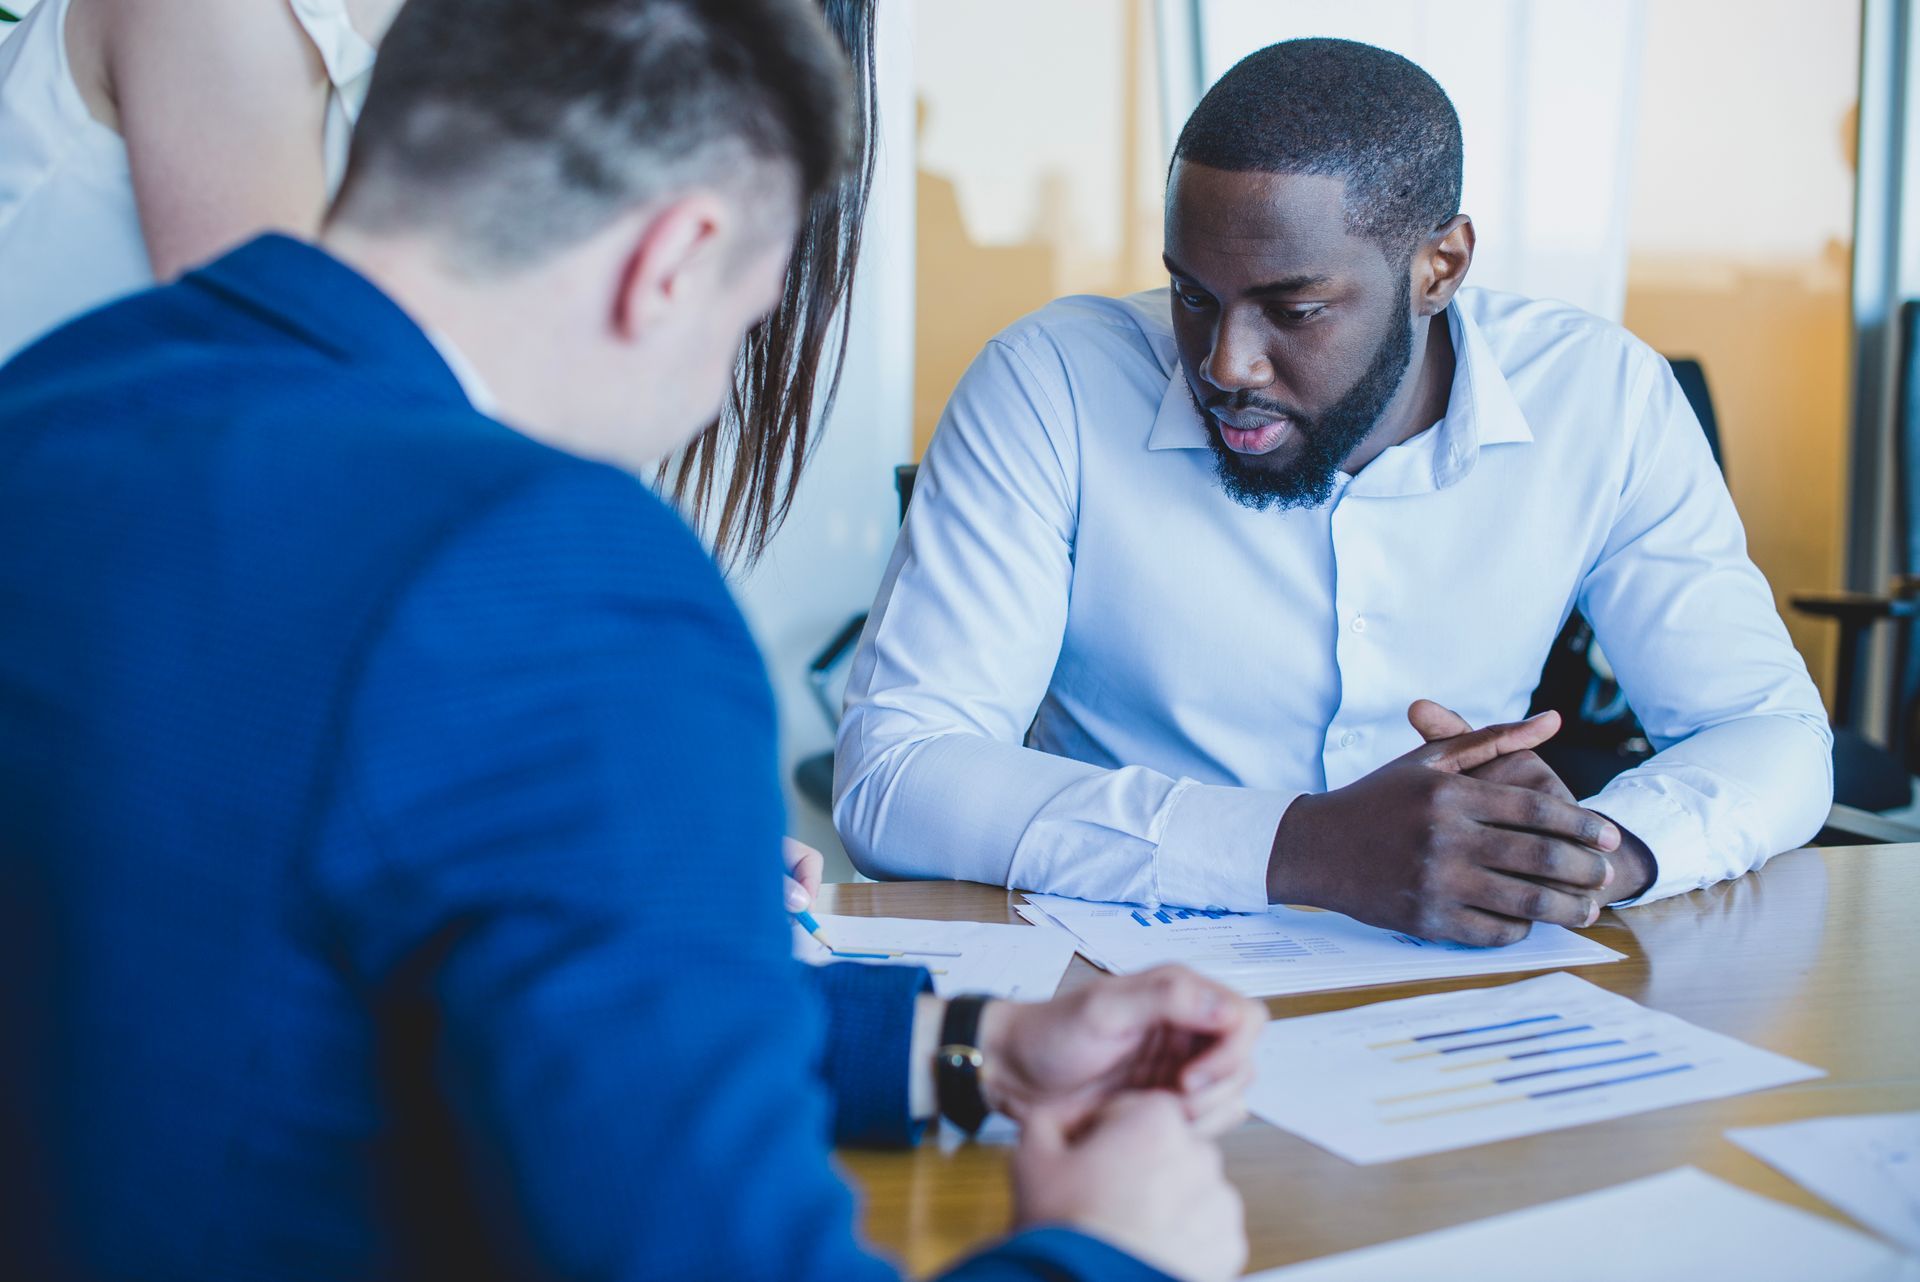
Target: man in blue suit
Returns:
[388, 884]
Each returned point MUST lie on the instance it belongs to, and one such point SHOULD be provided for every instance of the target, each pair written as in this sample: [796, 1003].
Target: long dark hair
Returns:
[789, 368]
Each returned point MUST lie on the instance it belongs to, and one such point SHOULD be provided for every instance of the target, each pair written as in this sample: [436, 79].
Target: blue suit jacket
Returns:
[388, 817]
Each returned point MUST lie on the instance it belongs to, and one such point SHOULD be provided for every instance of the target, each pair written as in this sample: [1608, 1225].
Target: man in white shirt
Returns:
[1182, 570]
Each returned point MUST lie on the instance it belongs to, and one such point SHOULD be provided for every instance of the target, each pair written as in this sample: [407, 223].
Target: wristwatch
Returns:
[957, 1064]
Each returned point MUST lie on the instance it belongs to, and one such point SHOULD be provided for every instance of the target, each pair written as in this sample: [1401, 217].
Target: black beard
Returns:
[1327, 438]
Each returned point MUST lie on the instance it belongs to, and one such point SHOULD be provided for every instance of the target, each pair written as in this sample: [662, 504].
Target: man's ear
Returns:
[669, 248]
[1440, 265]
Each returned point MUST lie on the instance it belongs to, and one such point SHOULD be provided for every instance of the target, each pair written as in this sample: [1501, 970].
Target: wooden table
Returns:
[1817, 956]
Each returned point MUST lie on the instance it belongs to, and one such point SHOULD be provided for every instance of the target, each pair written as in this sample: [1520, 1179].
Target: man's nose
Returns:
[1236, 361]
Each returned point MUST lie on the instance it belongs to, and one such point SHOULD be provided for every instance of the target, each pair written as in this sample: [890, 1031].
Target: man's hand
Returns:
[805, 865]
[1633, 863]
[1522, 768]
[1137, 1174]
[1168, 1030]
[1424, 846]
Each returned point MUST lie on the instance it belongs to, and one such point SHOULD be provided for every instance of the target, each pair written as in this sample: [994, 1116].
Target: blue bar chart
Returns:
[1149, 917]
[1518, 1058]
[1424, 1074]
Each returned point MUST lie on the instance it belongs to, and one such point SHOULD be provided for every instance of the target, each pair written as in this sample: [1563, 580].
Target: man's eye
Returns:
[1294, 315]
[1188, 298]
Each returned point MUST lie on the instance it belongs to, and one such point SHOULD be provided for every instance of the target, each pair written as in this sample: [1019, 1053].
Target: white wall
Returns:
[1719, 116]
[1908, 197]
[826, 562]
[1548, 96]
[1021, 179]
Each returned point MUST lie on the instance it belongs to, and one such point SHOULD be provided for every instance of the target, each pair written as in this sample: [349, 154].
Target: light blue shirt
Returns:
[1091, 672]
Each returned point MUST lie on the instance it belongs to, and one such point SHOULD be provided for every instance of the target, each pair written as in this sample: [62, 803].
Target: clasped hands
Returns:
[1121, 1086]
[1470, 838]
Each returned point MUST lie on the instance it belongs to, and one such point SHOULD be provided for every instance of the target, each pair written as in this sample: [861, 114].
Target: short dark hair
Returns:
[1345, 110]
[520, 130]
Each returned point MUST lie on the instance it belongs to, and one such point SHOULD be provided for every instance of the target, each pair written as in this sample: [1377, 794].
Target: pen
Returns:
[812, 927]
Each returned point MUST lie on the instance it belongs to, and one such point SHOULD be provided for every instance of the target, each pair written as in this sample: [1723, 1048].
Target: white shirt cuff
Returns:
[1672, 832]
[1215, 845]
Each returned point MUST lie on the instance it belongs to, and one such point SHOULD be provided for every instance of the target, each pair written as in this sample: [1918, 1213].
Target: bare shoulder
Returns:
[137, 43]
[88, 23]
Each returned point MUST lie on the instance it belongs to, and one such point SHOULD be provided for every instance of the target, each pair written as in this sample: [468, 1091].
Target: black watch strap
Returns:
[957, 1064]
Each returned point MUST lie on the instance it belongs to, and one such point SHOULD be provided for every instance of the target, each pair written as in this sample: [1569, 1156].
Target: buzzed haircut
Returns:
[515, 130]
[1341, 109]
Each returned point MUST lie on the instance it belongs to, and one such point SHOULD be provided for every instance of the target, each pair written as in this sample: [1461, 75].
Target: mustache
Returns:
[1250, 401]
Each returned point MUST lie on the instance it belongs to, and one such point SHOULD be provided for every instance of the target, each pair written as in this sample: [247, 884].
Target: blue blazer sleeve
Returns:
[553, 832]
[869, 1044]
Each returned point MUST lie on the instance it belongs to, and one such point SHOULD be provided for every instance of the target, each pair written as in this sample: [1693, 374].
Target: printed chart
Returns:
[1425, 1074]
[1291, 950]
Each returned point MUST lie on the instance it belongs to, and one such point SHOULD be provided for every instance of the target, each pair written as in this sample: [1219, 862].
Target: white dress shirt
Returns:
[70, 235]
[1091, 672]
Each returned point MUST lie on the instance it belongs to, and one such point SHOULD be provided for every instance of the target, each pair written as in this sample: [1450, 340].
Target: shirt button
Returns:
[1359, 623]
[1348, 739]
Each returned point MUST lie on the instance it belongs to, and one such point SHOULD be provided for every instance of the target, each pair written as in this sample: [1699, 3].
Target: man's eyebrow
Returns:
[1290, 285]
[1285, 285]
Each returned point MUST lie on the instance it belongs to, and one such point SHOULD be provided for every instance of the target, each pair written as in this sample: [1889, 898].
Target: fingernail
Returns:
[796, 899]
[1593, 913]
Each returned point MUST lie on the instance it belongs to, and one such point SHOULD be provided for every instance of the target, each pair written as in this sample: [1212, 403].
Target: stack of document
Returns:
[1291, 950]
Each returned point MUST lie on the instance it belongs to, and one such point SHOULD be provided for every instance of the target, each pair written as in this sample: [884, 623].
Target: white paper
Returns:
[1293, 950]
[1681, 1226]
[1023, 963]
[1867, 1165]
[1424, 1074]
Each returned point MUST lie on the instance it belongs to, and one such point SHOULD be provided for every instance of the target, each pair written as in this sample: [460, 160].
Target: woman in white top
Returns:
[141, 137]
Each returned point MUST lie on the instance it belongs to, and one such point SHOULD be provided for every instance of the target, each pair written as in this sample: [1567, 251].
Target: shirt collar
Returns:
[1481, 410]
[463, 369]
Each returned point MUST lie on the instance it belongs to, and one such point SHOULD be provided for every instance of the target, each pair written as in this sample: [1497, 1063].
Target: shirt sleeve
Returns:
[933, 778]
[1744, 768]
[1055, 1255]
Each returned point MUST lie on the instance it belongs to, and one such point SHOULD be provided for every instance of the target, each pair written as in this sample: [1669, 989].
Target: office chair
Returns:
[1859, 613]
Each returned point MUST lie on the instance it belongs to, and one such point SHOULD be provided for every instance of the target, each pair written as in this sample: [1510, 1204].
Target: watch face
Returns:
[958, 1064]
